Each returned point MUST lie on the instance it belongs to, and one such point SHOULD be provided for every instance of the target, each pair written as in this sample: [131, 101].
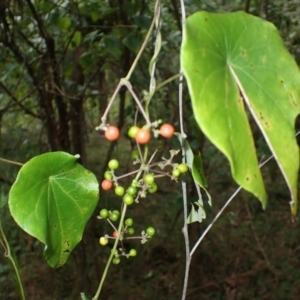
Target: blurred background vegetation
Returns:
[60, 63]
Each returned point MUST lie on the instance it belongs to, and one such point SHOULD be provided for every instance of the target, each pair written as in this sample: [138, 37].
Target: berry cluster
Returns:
[127, 230]
[144, 182]
[141, 135]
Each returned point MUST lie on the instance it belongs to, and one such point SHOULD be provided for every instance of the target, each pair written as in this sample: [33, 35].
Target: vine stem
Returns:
[222, 210]
[9, 256]
[184, 189]
[12, 162]
[111, 254]
[125, 80]
[157, 8]
[214, 220]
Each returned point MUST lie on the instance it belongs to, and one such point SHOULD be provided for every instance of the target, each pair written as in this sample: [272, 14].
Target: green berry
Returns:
[113, 164]
[114, 252]
[116, 260]
[135, 154]
[150, 231]
[176, 173]
[132, 252]
[152, 188]
[114, 217]
[149, 178]
[135, 183]
[116, 212]
[130, 231]
[132, 190]
[183, 168]
[103, 213]
[119, 191]
[132, 131]
[129, 222]
[128, 199]
[108, 175]
[103, 241]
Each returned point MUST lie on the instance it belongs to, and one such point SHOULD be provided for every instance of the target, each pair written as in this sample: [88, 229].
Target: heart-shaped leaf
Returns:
[231, 60]
[52, 200]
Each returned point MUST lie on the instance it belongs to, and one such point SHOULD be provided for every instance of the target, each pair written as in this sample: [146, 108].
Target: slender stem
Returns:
[152, 64]
[152, 157]
[214, 220]
[127, 174]
[104, 117]
[111, 254]
[111, 224]
[158, 2]
[138, 102]
[9, 256]
[184, 189]
[179, 75]
[11, 162]
[222, 210]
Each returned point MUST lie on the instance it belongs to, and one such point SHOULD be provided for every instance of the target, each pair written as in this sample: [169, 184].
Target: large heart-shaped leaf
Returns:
[52, 200]
[233, 60]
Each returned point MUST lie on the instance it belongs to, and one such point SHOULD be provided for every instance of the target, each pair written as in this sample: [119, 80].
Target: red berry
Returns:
[142, 136]
[112, 133]
[106, 184]
[167, 130]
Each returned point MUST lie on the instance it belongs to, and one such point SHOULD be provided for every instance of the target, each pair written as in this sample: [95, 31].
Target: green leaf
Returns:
[87, 61]
[60, 22]
[233, 60]
[45, 7]
[76, 40]
[113, 45]
[95, 15]
[142, 21]
[52, 200]
[92, 36]
[3, 200]
[132, 43]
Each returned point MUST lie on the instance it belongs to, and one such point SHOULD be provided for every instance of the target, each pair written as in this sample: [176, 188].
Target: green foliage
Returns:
[52, 200]
[228, 58]
[88, 46]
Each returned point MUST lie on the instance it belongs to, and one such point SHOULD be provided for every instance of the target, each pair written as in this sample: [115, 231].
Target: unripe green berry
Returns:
[183, 168]
[149, 178]
[113, 164]
[128, 199]
[114, 217]
[119, 191]
[116, 260]
[130, 231]
[150, 231]
[176, 173]
[103, 213]
[135, 154]
[132, 190]
[129, 222]
[108, 175]
[132, 252]
[132, 131]
[152, 188]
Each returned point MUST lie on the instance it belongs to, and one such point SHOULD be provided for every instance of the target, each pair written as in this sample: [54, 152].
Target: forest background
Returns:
[60, 63]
